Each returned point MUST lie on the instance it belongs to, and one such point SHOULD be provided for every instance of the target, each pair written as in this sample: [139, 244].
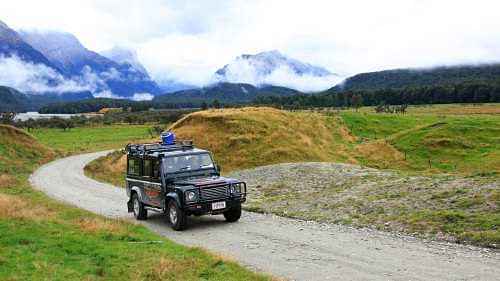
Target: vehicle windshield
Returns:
[190, 162]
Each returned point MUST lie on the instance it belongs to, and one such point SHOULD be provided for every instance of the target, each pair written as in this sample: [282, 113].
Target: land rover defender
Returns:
[177, 179]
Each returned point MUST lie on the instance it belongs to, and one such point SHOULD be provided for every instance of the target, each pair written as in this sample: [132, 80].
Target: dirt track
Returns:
[284, 247]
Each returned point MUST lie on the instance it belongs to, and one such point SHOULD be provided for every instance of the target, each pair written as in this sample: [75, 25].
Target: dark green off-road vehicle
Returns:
[179, 180]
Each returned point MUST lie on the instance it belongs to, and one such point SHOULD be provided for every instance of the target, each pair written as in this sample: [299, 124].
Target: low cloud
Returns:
[135, 97]
[38, 78]
[106, 94]
[244, 72]
[142, 96]
[305, 83]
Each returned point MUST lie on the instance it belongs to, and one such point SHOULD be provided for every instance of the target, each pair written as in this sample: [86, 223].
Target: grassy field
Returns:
[452, 155]
[42, 239]
[84, 139]
[433, 143]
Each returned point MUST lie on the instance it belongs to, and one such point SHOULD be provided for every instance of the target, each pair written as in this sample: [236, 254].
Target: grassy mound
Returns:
[20, 152]
[250, 137]
[468, 145]
[41, 238]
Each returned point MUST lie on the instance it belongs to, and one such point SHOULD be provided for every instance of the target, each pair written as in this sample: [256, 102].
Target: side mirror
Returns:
[218, 168]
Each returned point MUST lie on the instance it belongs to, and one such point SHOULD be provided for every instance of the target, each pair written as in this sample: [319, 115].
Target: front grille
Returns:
[218, 192]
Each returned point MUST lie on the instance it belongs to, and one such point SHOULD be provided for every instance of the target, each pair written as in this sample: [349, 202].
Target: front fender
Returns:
[172, 196]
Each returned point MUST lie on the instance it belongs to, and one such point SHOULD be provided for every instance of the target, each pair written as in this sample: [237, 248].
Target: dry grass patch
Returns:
[95, 225]
[110, 168]
[380, 154]
[7, 181]
[168, 269]
[13, 207]
[457, 109]
[347, 135]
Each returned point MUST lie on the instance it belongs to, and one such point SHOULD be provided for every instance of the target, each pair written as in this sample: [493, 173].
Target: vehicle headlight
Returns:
[235, 188]
[190, 195]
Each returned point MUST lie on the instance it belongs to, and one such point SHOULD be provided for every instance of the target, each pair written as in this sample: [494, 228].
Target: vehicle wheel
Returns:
[176, 216]
[233, 214]
[140, 213]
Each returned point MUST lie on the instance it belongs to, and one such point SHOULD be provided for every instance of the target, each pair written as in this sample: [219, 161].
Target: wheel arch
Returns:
[134, 190]
[172, 196]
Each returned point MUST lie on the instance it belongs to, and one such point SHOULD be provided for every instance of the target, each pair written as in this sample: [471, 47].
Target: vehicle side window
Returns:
[156, 169]
[148, 169]
[134, 167]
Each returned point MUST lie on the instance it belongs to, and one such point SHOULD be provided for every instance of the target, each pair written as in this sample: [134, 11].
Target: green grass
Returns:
[467, 144]
[84, 139]
[42, 239]
[379, 126]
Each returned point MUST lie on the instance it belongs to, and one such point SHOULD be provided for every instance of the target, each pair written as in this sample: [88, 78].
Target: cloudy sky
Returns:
[189, 40]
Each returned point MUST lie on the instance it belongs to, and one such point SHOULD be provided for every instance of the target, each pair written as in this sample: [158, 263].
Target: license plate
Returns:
[219, 205]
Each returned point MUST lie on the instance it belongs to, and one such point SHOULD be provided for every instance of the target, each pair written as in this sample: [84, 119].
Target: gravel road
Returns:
[296, 250]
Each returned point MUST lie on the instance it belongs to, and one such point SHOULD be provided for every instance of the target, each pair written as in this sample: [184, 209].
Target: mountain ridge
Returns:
[418, 77]
[223, 92]
[120, 78]
[275, 68]
[11, 44]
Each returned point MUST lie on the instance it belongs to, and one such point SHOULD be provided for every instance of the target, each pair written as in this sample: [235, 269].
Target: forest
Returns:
[479, 92]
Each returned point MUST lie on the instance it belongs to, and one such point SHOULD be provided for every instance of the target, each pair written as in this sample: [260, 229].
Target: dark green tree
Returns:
[216, 104]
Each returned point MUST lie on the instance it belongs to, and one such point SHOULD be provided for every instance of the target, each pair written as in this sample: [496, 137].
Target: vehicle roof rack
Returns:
[150, 148]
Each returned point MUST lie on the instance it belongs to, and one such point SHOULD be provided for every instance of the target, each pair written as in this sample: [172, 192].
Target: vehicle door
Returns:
[152, 183]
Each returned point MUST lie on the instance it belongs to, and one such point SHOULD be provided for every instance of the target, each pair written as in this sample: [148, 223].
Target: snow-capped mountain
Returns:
[265, 63]
[123, 55]
[274, 68]
[64, 50]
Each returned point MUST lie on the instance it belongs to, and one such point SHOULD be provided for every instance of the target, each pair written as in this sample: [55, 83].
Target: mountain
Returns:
[274, 68]
[11, 44]
[66, 52]
[125, 56]
[402, 78]
[228, 93]
[13, 100]
[265, 63]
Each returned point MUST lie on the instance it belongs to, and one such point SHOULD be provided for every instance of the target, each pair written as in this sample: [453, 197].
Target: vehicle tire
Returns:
[233, 214]
[140, 213]
[176, 216]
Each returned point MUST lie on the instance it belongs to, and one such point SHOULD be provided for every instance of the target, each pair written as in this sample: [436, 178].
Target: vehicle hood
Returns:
[206, 181]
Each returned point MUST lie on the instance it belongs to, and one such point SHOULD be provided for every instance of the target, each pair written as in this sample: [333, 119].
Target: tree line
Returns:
[144, 117]
[460, 93]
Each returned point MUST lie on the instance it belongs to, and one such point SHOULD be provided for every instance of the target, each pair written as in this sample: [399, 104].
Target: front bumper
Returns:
[205, 207]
